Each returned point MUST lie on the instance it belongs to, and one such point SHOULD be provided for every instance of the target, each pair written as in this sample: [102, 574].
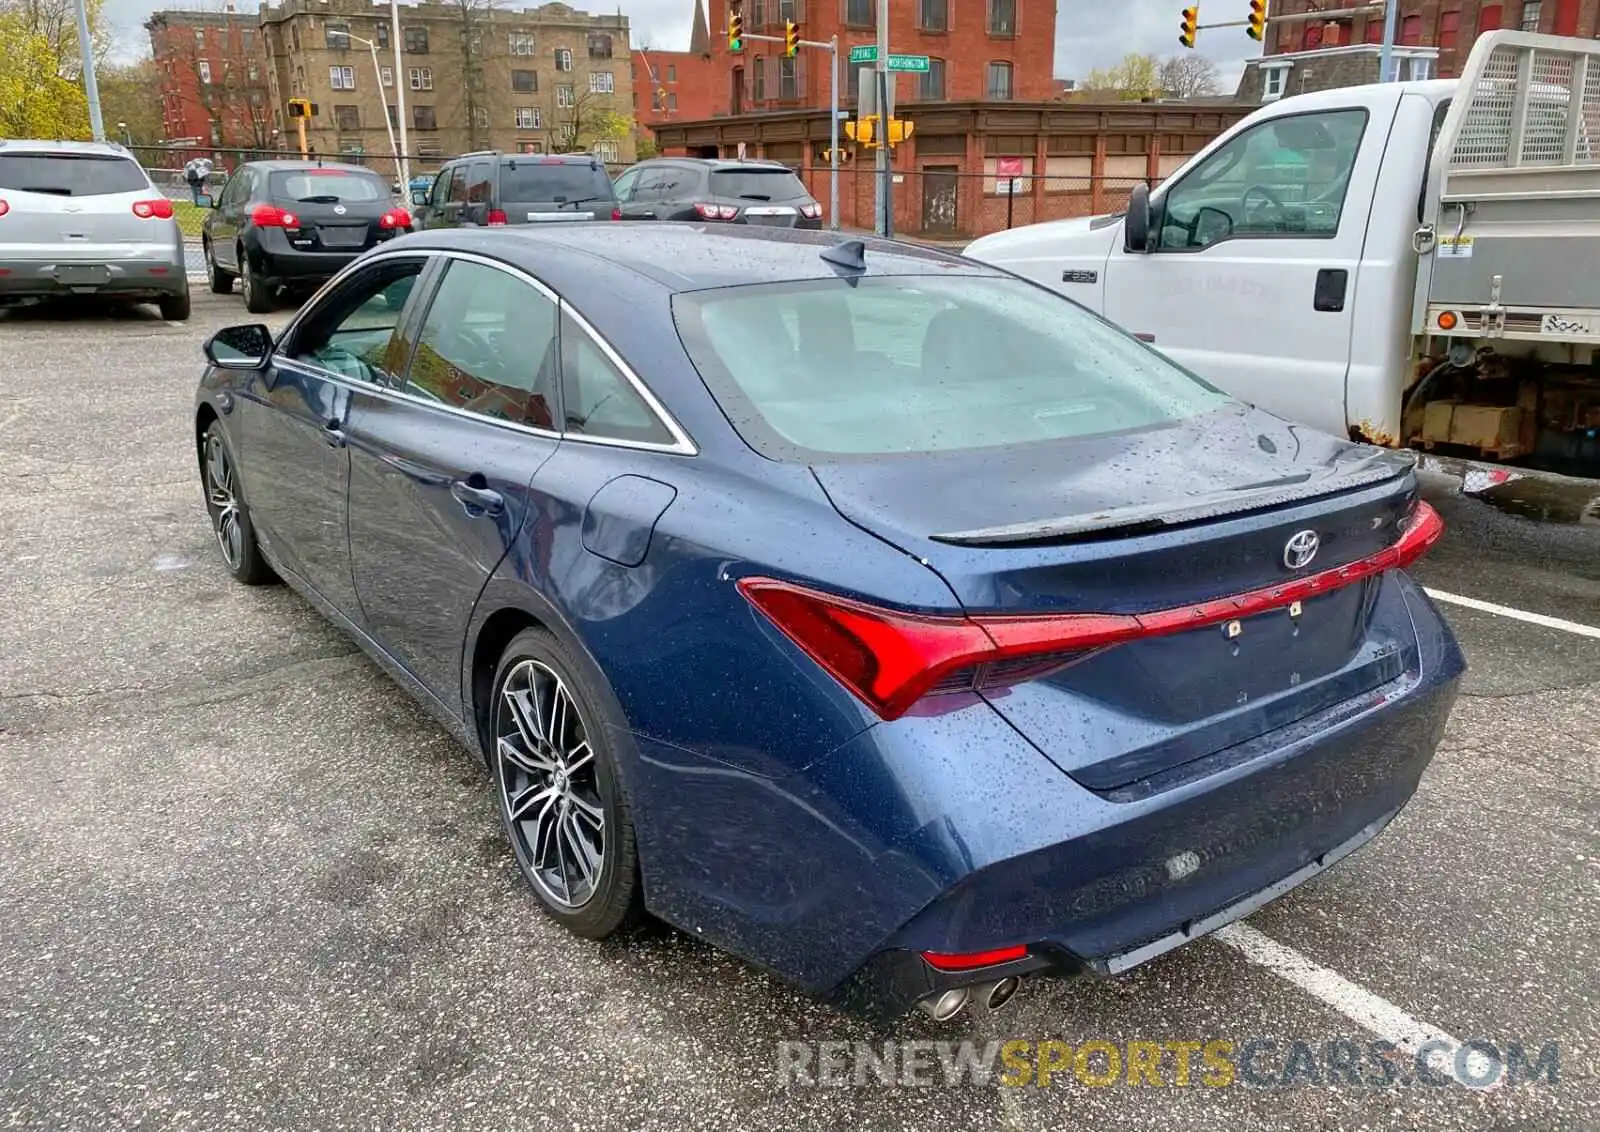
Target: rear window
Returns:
[757, 184]
[560, 182]
[903, 364]
[330, 185]
[70, 175]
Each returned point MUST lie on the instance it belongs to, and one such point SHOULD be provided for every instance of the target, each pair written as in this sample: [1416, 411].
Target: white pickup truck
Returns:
[1412, 264]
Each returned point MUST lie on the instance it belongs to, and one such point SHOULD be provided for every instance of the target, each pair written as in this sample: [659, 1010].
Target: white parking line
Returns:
[1514, 614]
[1361, 1006]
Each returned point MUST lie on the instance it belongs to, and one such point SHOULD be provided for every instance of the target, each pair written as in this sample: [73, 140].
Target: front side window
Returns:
[489, 346]
[356, 334]
[1284, 177]
[597, 400]
[919, 364]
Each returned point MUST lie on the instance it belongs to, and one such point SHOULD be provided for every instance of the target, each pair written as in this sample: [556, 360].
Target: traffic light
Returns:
[1258, 20]
[791, 39]
[861, 131]
[735, 29]
[899, 130]
[1187, 29]
[302, 108]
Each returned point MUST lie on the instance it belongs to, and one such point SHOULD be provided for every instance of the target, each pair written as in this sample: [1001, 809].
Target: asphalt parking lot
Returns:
[246, 883]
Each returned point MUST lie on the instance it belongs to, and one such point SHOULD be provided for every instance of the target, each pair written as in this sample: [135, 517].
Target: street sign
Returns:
[1008, 167]
[914, 63]
[867, 54]
[1011, 188]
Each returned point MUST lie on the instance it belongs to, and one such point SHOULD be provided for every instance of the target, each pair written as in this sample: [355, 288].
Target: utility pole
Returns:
[884, 197]
[399, 97]
[91, 89]
[833, 133]
[1386, 53]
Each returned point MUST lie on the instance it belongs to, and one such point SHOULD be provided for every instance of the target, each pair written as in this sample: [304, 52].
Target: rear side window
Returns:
[907, 364]
[757, 184]
[70, 175]
[332, 186]
[556, 182]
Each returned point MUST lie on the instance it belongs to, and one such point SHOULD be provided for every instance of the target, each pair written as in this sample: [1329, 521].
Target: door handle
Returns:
[333, 433]
[483, 499]
[1328, 295]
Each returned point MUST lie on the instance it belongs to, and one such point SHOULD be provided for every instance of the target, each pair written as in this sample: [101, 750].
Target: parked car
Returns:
[82, 218]
[731, 192]
[492, 189]
[293, 225]
[886, 619]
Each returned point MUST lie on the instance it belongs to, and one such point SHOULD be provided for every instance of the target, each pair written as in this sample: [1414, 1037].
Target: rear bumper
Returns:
[153, 277]
[952, 834]
[281, 262]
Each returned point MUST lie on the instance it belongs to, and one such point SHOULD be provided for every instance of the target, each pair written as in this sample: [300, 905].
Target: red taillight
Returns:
[395, 218]
[271, 216]
[811, 210]
[4, 208]
[158, 209]
[890, 659]
[715, 211]
[616, 214]
[972, 960]
[497, 218]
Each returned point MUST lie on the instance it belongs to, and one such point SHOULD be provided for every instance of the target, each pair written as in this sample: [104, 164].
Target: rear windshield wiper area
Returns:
[755, 196]
[576, 201]
[323, 198]
[52, 190]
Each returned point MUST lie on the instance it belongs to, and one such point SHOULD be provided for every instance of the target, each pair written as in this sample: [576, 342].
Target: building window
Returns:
[525, 81]
[568, 132]
[601, 82]
[394, 116]
[759, 91]
[347, 117]
[566, 97]
[480, 117]
[421, 78]
[527, 117]
[1273, 81]
[672, 100]
[860, 13]
[1420, 69]
[789, 10]
[338, 36]
[386, 76]
[342, 78]
[930, 87]
[522, 43]
[247, 40]
[380, 34]
[1003, 17]
[606, 151]
[599, 46]
[1449, 29]
[788, 80]
[254, 71]
[1490, 18]
[417, 40]
[294, 34]
[933, 15]
[422, 118]
[1411, 31]
[200, 37]
[530, 147]
[204, 67]
[999, 85]
[563, 59]
[1531, 11]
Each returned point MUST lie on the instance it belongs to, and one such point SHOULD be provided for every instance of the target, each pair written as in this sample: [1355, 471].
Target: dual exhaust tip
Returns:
[946, 1005]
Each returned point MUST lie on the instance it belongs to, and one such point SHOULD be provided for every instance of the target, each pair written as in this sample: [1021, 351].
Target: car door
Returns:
[440, 471]
[227, 218]
[480, 193]
[681, 186]
[623, 188]
[294, 415]
[1250, 280]
[447, 208]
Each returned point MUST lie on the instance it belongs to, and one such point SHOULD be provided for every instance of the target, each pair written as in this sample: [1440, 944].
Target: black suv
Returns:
[294, 224]
[492, 188]
[732, 192]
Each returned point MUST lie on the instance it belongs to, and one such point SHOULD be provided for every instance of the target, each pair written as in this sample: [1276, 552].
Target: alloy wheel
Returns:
[211, 267]
[224, 498]
[548, 784]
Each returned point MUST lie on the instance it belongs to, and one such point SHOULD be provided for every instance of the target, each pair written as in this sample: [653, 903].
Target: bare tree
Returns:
[589, 120]
[475, 38]
[1188, 76]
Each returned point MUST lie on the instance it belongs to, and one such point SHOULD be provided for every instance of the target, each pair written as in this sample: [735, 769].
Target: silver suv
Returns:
[82, 218]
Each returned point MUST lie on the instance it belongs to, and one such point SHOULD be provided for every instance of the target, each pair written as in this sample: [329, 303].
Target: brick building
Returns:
[677, 85]
[979, 49]
[539, 80]
[213, 78]
[1432, 39]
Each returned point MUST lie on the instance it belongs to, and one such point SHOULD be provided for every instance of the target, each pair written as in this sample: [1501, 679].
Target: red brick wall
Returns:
[966, 48]
[691, 84]
[234, 101]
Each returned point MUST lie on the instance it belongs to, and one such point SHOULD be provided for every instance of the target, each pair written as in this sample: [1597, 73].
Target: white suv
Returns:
[83, 218]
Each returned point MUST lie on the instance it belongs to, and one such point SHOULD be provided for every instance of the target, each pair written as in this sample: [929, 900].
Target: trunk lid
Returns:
[1149, 521]
[338, 210]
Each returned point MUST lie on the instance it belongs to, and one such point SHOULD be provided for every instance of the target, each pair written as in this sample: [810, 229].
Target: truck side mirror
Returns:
[1136, 222]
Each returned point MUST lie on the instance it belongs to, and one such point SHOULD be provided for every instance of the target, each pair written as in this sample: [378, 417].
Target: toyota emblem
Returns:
[1301, 549]
[338, 210]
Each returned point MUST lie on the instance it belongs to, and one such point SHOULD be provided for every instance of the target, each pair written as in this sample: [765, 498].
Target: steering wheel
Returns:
[1267, 195]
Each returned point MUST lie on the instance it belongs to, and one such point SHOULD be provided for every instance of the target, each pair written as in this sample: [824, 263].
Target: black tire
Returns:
[221, 281]
[241, 555]
[175, 308]
[258, 295]
[615, 898]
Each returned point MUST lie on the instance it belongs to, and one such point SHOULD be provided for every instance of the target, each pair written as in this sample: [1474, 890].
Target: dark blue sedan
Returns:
[876, 615]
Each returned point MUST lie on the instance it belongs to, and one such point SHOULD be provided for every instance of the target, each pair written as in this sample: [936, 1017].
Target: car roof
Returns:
[597, 260]
[535, 158]
[84, 148]
[303, 166]
[720, 163]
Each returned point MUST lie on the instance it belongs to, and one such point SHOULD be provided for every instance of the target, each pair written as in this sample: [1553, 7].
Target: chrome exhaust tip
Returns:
[998, 994]
[946, 1005]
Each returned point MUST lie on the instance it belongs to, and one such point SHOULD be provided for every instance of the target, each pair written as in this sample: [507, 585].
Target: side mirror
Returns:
[204, 200]
[240, 347]
[1136, 222]
[419, 197]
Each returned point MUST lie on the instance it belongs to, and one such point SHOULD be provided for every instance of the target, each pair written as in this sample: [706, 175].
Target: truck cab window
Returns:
[1284, 177]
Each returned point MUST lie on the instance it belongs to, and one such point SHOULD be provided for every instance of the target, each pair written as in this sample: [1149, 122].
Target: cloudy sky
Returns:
[1089, 33]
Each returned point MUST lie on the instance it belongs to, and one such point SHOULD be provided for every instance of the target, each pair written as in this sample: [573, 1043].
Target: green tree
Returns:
[1135, 77]
[130, 95]
[35, 100]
